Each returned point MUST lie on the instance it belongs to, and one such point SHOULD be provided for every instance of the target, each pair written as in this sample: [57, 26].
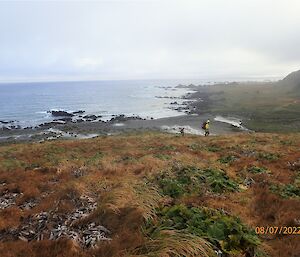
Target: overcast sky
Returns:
[53, 40]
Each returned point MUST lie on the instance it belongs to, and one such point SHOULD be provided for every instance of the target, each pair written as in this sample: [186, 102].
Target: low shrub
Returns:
[167, 148]
[219, 182]
[257, 170]
[12, 164]
[227, 159]
[286, 142]
[213, 148]
[172, 187]
[188, 180]
[225, 232]
[162, 156]
[268, 156]
[94, 159]
[289, 190]
[286, 191]
[195, 147]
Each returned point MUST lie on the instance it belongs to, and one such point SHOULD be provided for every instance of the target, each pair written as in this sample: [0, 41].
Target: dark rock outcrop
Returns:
[47, 125]
[122, 118]
[90, 117]
[61, 114]
[78, 112]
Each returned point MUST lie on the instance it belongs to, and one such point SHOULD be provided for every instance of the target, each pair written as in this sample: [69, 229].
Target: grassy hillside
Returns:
[154, 194]
[264, 107]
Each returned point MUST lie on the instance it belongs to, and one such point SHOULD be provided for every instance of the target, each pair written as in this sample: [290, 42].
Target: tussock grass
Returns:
[134, 194]
[173, 243]
[120, 171]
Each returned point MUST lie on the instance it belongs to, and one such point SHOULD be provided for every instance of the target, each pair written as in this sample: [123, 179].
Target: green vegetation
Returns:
[168, 148]
[191, 180]
[195, 147]
[225, 232]
[256, 170]
[11, 164]
[227, 159]
[127, 159]
[162, 156]
[268, 156]
[254, 102]
[219, 182]
[213, 148]
[155, 202]
[288, 142]
[286, 191]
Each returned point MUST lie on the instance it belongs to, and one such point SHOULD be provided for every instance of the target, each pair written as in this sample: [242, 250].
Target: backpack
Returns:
[204, 125]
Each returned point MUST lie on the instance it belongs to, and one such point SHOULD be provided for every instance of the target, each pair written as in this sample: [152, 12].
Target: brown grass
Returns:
[115, 172]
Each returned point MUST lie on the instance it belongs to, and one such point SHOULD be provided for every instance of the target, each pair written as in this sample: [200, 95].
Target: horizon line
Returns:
[209, 79]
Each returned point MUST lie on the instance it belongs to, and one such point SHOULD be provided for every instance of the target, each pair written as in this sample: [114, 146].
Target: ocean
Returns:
[28, 103]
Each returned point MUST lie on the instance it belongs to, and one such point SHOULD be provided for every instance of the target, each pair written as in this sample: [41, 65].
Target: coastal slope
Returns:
[262, 106]
[151, 194]
[292, 80]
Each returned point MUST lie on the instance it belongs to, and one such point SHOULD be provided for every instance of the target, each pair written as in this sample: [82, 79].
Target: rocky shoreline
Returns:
[78, 124]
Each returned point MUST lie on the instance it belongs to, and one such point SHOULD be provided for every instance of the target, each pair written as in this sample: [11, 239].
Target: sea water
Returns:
[28, 103]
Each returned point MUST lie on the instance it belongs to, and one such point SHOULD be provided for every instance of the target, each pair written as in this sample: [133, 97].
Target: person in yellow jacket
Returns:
[206, 128]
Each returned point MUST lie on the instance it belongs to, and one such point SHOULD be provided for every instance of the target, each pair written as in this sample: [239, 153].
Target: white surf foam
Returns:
[187, 129]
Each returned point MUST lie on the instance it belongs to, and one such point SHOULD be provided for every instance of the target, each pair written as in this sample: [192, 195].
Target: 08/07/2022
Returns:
[278, 230]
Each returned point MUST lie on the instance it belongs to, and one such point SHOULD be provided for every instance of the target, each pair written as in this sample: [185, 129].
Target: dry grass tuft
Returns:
[131, 193]
[115, 169]
[172, 243]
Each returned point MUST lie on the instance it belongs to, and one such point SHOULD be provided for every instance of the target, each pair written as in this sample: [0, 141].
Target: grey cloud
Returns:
[149, 39]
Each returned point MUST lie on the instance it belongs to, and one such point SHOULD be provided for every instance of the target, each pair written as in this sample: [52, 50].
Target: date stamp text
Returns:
[282, 230]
